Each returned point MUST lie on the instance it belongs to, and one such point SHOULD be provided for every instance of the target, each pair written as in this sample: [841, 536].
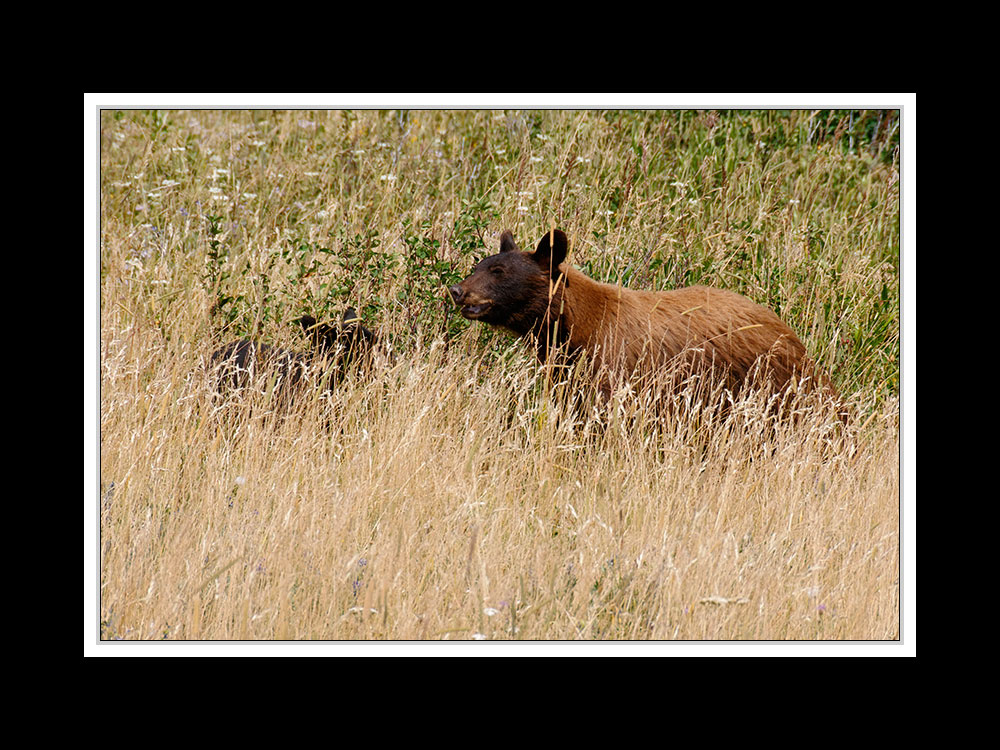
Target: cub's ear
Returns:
[350, 316]
[317, 332]
[507, 243]
[308, 322]
[552, 250]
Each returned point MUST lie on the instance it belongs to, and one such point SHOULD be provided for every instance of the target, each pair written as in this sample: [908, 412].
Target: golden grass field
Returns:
[449, 491]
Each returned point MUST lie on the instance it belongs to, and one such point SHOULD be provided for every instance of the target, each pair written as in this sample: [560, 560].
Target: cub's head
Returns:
[350, 338]
[512, 289]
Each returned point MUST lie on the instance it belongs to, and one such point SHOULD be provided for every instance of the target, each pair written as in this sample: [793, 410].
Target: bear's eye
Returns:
[497, 271]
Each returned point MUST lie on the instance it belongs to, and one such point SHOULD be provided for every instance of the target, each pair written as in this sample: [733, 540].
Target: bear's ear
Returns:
[507, 243]
[350, 316]
[307, 322]
[552, 250]
[317, 332]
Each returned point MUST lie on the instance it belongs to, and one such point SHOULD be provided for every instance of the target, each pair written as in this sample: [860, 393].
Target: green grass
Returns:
[273, 213]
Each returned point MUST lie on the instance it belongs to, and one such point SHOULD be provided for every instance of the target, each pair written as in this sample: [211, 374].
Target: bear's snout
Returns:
[472, 304]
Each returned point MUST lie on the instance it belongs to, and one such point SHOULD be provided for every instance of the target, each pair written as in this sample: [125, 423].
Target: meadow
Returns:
[453, 489]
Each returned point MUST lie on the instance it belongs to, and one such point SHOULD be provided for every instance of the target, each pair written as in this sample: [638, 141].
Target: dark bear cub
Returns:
[627, 333]
[335, 347]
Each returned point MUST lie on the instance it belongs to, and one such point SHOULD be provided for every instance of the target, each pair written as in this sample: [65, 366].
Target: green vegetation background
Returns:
[232, 223]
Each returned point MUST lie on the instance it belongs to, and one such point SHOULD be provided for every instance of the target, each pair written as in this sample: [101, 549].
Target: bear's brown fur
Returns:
[628, 332]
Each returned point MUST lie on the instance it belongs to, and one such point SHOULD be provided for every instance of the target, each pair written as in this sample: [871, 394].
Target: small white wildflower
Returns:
[490, 611]
[311, 174]
[388, 178]
[720, 600]
[240, 481]
[478, 637]
[522, 209]
[257, 143]
[536, 158]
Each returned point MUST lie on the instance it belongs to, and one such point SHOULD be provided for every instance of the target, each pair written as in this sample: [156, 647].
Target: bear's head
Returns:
[350, 339]
[515, 289]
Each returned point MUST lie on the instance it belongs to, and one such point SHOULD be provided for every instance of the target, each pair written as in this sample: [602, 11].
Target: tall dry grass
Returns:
[454, 491]
[436, 501]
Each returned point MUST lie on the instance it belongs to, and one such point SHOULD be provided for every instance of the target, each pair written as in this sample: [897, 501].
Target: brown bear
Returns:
[629, 333]
[334, 349]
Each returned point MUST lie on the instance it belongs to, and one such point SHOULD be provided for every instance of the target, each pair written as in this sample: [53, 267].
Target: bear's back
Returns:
[699, 325]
